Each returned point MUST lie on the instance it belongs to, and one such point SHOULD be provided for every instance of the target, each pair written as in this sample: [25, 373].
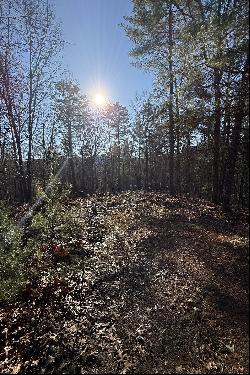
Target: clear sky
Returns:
[97, 53]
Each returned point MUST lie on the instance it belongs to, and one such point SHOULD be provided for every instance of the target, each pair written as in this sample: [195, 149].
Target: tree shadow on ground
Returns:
[228, 261]
[235, 310]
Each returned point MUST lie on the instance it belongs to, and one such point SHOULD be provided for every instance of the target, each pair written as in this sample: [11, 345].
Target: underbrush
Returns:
[31, 242]
[12, 255]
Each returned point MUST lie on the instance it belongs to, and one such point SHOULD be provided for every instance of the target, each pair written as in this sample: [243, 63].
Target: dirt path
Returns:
[164, 289]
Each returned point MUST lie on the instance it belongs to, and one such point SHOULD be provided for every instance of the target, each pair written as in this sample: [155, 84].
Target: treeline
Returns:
[189, 136]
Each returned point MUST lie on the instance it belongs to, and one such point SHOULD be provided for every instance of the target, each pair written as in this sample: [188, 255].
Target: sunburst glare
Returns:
[100, 100]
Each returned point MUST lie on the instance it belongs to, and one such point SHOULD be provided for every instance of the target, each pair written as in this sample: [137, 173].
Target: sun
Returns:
[100, 100]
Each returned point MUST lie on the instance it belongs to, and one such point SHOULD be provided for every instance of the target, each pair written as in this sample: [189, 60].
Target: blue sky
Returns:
[97, 53]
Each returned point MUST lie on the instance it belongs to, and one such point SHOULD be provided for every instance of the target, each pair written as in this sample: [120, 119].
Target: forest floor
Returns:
[163, 288]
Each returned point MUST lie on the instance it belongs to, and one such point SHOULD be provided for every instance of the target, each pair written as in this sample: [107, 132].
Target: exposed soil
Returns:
[163, 289]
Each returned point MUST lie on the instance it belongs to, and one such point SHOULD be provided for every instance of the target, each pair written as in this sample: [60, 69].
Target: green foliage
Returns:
[52, 234]
[55, 191]
[57, 223]
[12, 255]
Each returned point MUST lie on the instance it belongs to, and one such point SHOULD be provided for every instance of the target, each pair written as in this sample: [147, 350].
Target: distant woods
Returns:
[189, 136]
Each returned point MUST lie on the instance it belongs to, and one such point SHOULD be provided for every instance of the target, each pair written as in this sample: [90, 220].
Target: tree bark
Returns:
[171, 93]
[30, 126]
[188, 164]
[70, 156]
[235, 143]
[216, 135]
[178, 164]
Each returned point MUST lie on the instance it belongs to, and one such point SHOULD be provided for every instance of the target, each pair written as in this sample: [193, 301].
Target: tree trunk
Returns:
[138, 179]
[30, 127]
[71, 160]
[118, 158]
[83, 187]
[17, 147]
[171, 93]
[146, 166]
[216, 135]
[188, 165]
[178, 164]
[235, 143]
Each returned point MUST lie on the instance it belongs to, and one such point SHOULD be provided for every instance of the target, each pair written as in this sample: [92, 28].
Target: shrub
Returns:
[52, 233]
[57, 226]
[12, 255]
